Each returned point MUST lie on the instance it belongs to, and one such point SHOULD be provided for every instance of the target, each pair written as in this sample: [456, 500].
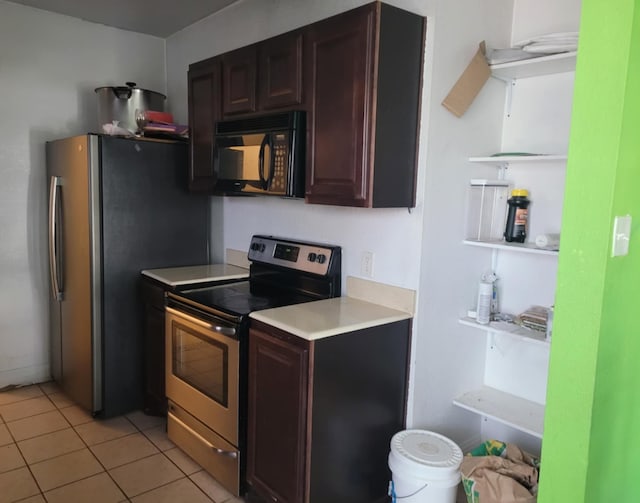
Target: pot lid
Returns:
[128, 88]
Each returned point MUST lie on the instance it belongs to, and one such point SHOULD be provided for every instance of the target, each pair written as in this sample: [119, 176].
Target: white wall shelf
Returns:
[510, 329]
[521, 414]
[544, 65]
[502, 161]
[515, 247]
[532, 154]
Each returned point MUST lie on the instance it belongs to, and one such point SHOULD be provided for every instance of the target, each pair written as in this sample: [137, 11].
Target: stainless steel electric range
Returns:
[207, 332]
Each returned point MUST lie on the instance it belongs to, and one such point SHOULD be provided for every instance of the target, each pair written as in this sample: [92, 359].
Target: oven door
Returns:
[202, 374]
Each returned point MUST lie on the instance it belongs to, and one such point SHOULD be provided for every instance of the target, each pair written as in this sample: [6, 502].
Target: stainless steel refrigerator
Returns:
[116, 206]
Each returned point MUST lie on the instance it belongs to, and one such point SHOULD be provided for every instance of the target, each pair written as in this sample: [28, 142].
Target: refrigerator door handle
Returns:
[54, 193]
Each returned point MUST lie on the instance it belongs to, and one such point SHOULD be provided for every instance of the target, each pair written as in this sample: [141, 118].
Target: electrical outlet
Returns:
[366, 267]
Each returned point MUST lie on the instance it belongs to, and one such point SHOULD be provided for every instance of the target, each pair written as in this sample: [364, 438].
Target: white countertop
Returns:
[176, 276]
[325, 318]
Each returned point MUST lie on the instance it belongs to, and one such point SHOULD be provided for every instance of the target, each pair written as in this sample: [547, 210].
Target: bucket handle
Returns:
[394, 496]
[124, 93]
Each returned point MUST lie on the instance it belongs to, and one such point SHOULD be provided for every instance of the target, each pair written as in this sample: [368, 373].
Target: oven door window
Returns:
[201, 362]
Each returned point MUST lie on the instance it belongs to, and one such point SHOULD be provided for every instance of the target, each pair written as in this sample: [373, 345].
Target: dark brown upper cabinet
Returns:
[264, 76]
[280, 71]
[204, 110]
[363, 76]
[239, 81]
[358, 75]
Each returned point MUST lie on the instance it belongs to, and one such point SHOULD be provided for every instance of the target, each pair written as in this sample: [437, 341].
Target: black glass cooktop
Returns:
[240, 299]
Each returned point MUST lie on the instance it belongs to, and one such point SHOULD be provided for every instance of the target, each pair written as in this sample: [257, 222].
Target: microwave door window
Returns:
[239, 158]
[231, 161]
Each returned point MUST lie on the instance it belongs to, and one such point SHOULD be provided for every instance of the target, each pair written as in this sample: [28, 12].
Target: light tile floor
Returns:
[53, 451]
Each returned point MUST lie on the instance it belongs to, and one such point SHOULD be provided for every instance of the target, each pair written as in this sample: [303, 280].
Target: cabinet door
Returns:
[239, 81]
[280, 71]
[277, 417]
[155, 400]
[152, 294]
[338, 77]
[204, 111]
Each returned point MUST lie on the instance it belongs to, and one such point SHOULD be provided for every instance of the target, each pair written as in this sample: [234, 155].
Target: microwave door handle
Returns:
[215, 161]
[263, 181]
[272, 162]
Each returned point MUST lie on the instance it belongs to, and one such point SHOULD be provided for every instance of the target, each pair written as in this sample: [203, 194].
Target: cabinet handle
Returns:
[217, 450]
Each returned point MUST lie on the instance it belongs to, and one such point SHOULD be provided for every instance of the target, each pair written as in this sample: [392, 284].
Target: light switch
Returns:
[621, 235]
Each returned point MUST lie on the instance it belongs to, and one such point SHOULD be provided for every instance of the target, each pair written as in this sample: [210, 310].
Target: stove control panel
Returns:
[298, 255]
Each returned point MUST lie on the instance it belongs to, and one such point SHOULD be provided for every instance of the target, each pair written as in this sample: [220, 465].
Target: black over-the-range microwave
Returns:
[261, 155]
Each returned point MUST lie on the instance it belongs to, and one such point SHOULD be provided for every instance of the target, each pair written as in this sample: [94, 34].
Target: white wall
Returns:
[49, 67]
[403, 242]
[447, 360]
[539, 120]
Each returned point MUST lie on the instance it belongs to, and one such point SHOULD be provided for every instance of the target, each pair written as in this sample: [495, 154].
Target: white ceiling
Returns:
[154, 17]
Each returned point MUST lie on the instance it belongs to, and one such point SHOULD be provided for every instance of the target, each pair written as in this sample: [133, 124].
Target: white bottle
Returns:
[483, 309]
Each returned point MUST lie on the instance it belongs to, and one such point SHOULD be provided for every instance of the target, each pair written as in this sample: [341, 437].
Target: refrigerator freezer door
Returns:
[75, 342]
[149, 220]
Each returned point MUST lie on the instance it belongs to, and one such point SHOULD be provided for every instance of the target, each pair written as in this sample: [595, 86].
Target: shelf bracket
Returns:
[493, 344]
[494, 260]
[510, 86]
[511, 83]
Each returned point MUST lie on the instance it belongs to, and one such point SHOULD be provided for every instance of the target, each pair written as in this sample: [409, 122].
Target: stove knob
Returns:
[321, 258]
[262, 247]
[254, 246]
[311, 257]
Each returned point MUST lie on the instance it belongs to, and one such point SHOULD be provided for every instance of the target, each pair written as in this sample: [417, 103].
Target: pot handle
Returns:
[124, 93]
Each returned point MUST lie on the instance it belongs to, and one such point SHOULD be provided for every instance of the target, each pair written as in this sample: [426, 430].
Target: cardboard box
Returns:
[469, 84]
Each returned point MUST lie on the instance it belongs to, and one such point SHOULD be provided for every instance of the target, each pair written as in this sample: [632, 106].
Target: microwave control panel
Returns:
[280, 163]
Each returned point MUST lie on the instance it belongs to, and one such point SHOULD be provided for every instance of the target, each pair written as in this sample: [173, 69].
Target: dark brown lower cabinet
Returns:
[321, 413]
[155, 400]
[278, 417]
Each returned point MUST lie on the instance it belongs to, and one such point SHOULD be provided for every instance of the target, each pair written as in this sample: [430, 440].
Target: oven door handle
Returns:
[217, 450]
[228, 331]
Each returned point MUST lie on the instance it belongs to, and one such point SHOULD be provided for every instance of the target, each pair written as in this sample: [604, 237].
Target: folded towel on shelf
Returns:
[550, 48]
[497, 56]
[535, 318]
[535, 47]
[550, 43]
[558, 37]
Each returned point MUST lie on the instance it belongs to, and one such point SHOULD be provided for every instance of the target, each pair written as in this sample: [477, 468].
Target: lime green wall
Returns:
[590, 449]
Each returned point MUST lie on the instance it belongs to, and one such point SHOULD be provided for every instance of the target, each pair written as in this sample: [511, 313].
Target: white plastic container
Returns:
[486, 209]
[425, 467]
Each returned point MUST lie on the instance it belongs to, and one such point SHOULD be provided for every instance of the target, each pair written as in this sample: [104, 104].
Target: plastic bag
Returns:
[114, 129]
[495, 472]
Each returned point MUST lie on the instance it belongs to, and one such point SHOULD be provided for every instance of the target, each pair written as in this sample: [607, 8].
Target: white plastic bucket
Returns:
[425, 467]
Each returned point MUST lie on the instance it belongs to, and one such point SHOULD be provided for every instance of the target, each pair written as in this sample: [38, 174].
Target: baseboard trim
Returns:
[24, 376]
